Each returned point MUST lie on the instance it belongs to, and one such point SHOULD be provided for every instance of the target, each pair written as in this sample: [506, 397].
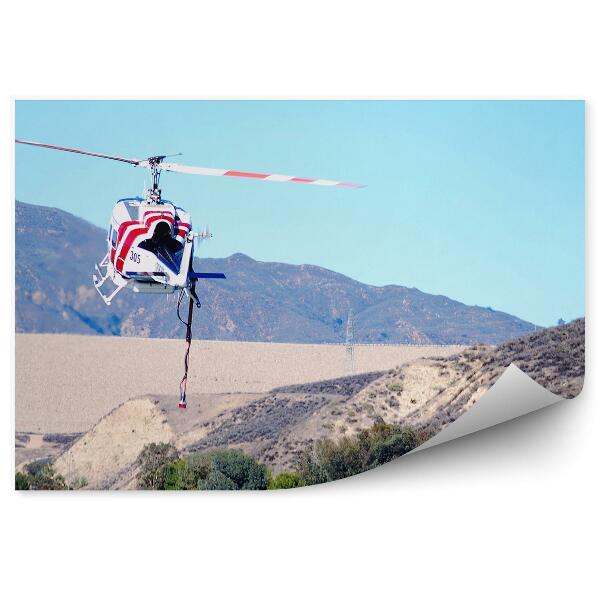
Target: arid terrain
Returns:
[66, 383]
[271, 400]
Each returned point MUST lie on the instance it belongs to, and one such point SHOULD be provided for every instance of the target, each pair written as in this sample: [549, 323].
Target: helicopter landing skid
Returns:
[100, 278]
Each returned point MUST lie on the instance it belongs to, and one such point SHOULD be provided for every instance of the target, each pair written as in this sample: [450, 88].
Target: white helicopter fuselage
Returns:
[149, 248]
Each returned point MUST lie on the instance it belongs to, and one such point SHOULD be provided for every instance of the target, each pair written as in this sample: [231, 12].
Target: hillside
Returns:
[259, 301]
[433, 392]
[427, 393]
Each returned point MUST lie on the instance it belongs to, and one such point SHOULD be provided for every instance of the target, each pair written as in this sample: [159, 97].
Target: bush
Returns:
[35, 468]
[330, 460]
[285, 480]
[78, 483]
[176, 475]
[396, 445]
[46, 478]
[160, 468]
[21, 481]
[40, 475]
[239, 469]
[217, 481]
[155, 466]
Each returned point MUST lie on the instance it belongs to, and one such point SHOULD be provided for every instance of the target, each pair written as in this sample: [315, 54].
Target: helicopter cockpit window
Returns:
[113, 239]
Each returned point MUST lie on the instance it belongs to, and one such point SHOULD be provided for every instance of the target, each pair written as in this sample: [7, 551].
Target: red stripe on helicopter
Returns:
[122, 227]
[166, 213]
[158, 215]
[302, 180]
[245, 174]
[183, 230]
[133, 234]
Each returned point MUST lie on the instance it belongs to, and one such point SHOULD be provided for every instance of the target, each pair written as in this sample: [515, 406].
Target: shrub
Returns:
[40, 475]
[198, 467]
[242, 470]
[285, 480]
[160, 468]
[155, 465]
[175, 475]
[329, 460]
[397, 444]
[21, 481]
[78, 483]
[46, 478]
[35, 468]
[217, 481]
[310, 466]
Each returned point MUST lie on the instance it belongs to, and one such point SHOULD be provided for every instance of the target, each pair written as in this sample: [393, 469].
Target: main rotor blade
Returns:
[131, 161]
[156, 163]
[246, 174]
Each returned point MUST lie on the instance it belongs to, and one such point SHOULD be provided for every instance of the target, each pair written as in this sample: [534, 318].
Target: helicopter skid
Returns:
[98, 285]
[100, 277]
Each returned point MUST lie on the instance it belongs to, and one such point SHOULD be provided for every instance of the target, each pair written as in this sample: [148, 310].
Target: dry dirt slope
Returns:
[274, 427]
[433, 392]
[66, 383]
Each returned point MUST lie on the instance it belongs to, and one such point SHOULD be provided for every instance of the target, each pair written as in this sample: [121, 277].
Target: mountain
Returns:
[259, 301]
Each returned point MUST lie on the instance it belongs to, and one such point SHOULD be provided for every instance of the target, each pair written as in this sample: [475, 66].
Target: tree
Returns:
[397, 444]
[217, 481]
[39, 475]
[155, 465]
[21, 481]
[185, 474]
[161, 468]
[285, 480]
[329, 460]
[45, 478]
[232, 469]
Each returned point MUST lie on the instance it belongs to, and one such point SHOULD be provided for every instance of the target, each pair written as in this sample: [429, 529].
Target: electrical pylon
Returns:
[349, 367]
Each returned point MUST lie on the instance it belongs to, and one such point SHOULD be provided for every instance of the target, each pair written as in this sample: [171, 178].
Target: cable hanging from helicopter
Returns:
[150, 241]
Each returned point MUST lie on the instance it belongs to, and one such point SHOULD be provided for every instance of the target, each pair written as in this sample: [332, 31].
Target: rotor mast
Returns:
[153, 194]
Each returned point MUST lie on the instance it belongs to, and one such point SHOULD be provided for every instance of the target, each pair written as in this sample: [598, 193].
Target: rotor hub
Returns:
[153, 194]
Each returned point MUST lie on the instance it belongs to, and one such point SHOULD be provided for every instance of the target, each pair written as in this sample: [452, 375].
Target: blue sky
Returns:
[480, 201]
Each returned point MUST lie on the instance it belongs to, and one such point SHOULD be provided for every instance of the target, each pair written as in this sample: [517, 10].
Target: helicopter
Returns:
[150, 241]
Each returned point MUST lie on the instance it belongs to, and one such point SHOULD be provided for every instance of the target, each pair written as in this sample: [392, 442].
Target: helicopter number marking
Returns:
[135, 257]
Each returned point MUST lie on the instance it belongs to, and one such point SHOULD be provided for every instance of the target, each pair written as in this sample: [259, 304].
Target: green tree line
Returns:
[162, 467]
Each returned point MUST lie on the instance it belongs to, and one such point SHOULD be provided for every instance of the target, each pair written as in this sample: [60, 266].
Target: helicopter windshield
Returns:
[166, 249]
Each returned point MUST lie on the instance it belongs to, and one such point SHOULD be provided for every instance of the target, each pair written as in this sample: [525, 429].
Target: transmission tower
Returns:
[349, 344]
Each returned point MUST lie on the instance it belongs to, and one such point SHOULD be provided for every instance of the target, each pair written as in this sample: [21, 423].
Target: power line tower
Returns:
[349, 367]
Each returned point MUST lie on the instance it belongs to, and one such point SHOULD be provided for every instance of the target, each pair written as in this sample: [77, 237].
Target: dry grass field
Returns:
[67, 383]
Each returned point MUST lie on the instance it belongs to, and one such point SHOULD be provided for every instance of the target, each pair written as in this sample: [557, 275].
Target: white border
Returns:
[507, 513]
